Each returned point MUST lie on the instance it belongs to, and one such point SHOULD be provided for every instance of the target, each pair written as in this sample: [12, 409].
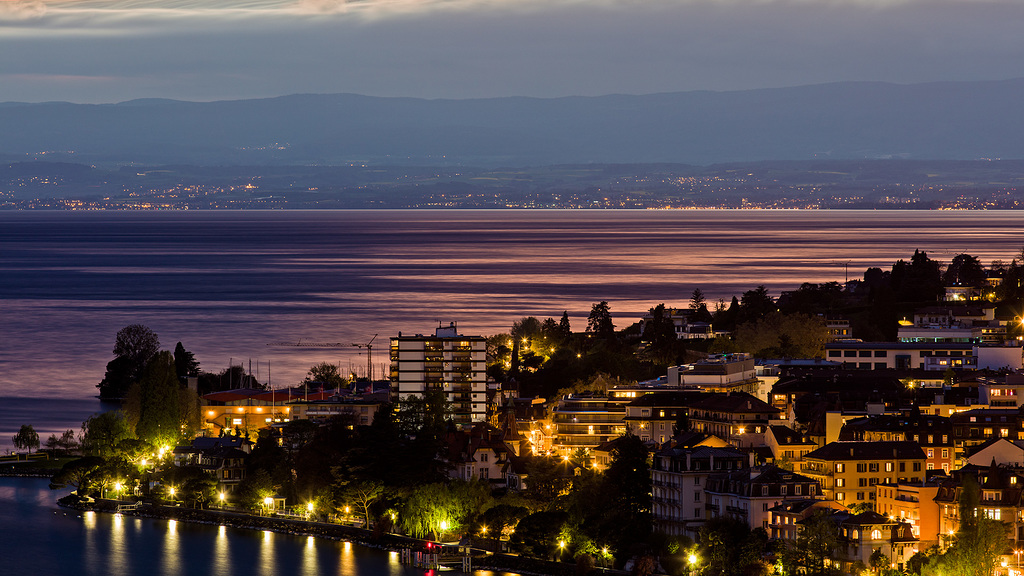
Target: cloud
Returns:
[21, 9]
[221, 49]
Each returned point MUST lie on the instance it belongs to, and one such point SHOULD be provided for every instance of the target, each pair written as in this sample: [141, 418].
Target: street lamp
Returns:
[268, 502]
[170, 492]
[692, 558]
[309, 510]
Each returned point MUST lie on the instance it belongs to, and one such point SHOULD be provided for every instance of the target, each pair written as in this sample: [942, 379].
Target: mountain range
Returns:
[850, 120]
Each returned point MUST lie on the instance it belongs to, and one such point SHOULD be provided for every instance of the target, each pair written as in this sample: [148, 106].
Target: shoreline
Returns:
[482, 559]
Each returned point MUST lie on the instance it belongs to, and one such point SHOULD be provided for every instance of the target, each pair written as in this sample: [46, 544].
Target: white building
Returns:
[447, 361]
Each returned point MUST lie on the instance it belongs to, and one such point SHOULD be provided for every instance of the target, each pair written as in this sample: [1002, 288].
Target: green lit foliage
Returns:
[102, 433]
[360, 495]
[435, 510]
[193, 486]
[159, 419]
[256, 486]
[980, 540]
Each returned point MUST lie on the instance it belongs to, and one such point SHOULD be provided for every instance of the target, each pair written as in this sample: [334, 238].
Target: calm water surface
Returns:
[39, 539]
[228, 283]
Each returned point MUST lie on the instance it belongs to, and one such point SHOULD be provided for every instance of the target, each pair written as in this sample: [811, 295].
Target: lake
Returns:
[38, 538]
[227, 284]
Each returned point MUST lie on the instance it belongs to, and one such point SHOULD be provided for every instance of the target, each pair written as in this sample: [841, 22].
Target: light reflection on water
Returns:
[39, 539]
[227, 284]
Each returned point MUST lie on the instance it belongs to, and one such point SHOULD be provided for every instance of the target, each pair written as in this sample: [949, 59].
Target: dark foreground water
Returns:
[227, 284]
[39, 539]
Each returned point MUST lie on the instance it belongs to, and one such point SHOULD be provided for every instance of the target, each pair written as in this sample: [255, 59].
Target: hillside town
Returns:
[876, 426]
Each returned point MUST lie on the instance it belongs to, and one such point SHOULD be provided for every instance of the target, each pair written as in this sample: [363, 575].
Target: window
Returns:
[888, 466]
[796, 490]
[696, 480]
[903, 466]
[930, 466]
[840, 496]
[483, 457]
[873, 467]
[811, 490]
[840, 467]
[945, 438]
[782, 489]
[931, 439]
[876, 534]
[917, 466]
[860, 495]
[485, 473]
[764, 507]
[840, 482]
[931, 453]
[863, 467]
[764, 490]
[945, 452]
[696, 496]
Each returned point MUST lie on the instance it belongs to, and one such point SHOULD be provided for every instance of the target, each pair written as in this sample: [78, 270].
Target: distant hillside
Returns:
[963, 120]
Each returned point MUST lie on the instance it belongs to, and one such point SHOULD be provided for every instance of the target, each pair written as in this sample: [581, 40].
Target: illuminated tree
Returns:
[436, 509]
[159, 418]
[102, 433]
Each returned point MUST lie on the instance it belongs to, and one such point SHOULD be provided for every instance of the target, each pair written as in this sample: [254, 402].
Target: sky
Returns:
[97, 51]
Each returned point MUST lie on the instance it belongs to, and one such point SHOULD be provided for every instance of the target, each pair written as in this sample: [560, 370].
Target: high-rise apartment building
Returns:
[448, 361]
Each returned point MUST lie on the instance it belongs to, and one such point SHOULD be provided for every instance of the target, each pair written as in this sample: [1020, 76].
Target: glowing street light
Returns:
[269, 503]
[220, 496]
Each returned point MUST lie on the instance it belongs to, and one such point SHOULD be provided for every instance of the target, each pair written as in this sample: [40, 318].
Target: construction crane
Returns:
[301, 344]
[369, 356]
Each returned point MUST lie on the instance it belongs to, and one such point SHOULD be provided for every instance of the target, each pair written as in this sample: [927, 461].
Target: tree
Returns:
[537, 534]
[159, 418]
[27, 438]
[979, 542]
[627, 515]
[755, 304]
[964, 270]
[254, 488]
[599, 322]
[439, 508]
[134, 345]
[63, 444]
[697, 300]
[816, 542]
[780, 335]
[102, 433]
[563, 325]
[185, 363]
[362, 495]
[79, 474]
[326, 376]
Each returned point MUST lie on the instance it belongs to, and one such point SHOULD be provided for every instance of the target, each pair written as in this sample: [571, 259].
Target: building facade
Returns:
[447, 361]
